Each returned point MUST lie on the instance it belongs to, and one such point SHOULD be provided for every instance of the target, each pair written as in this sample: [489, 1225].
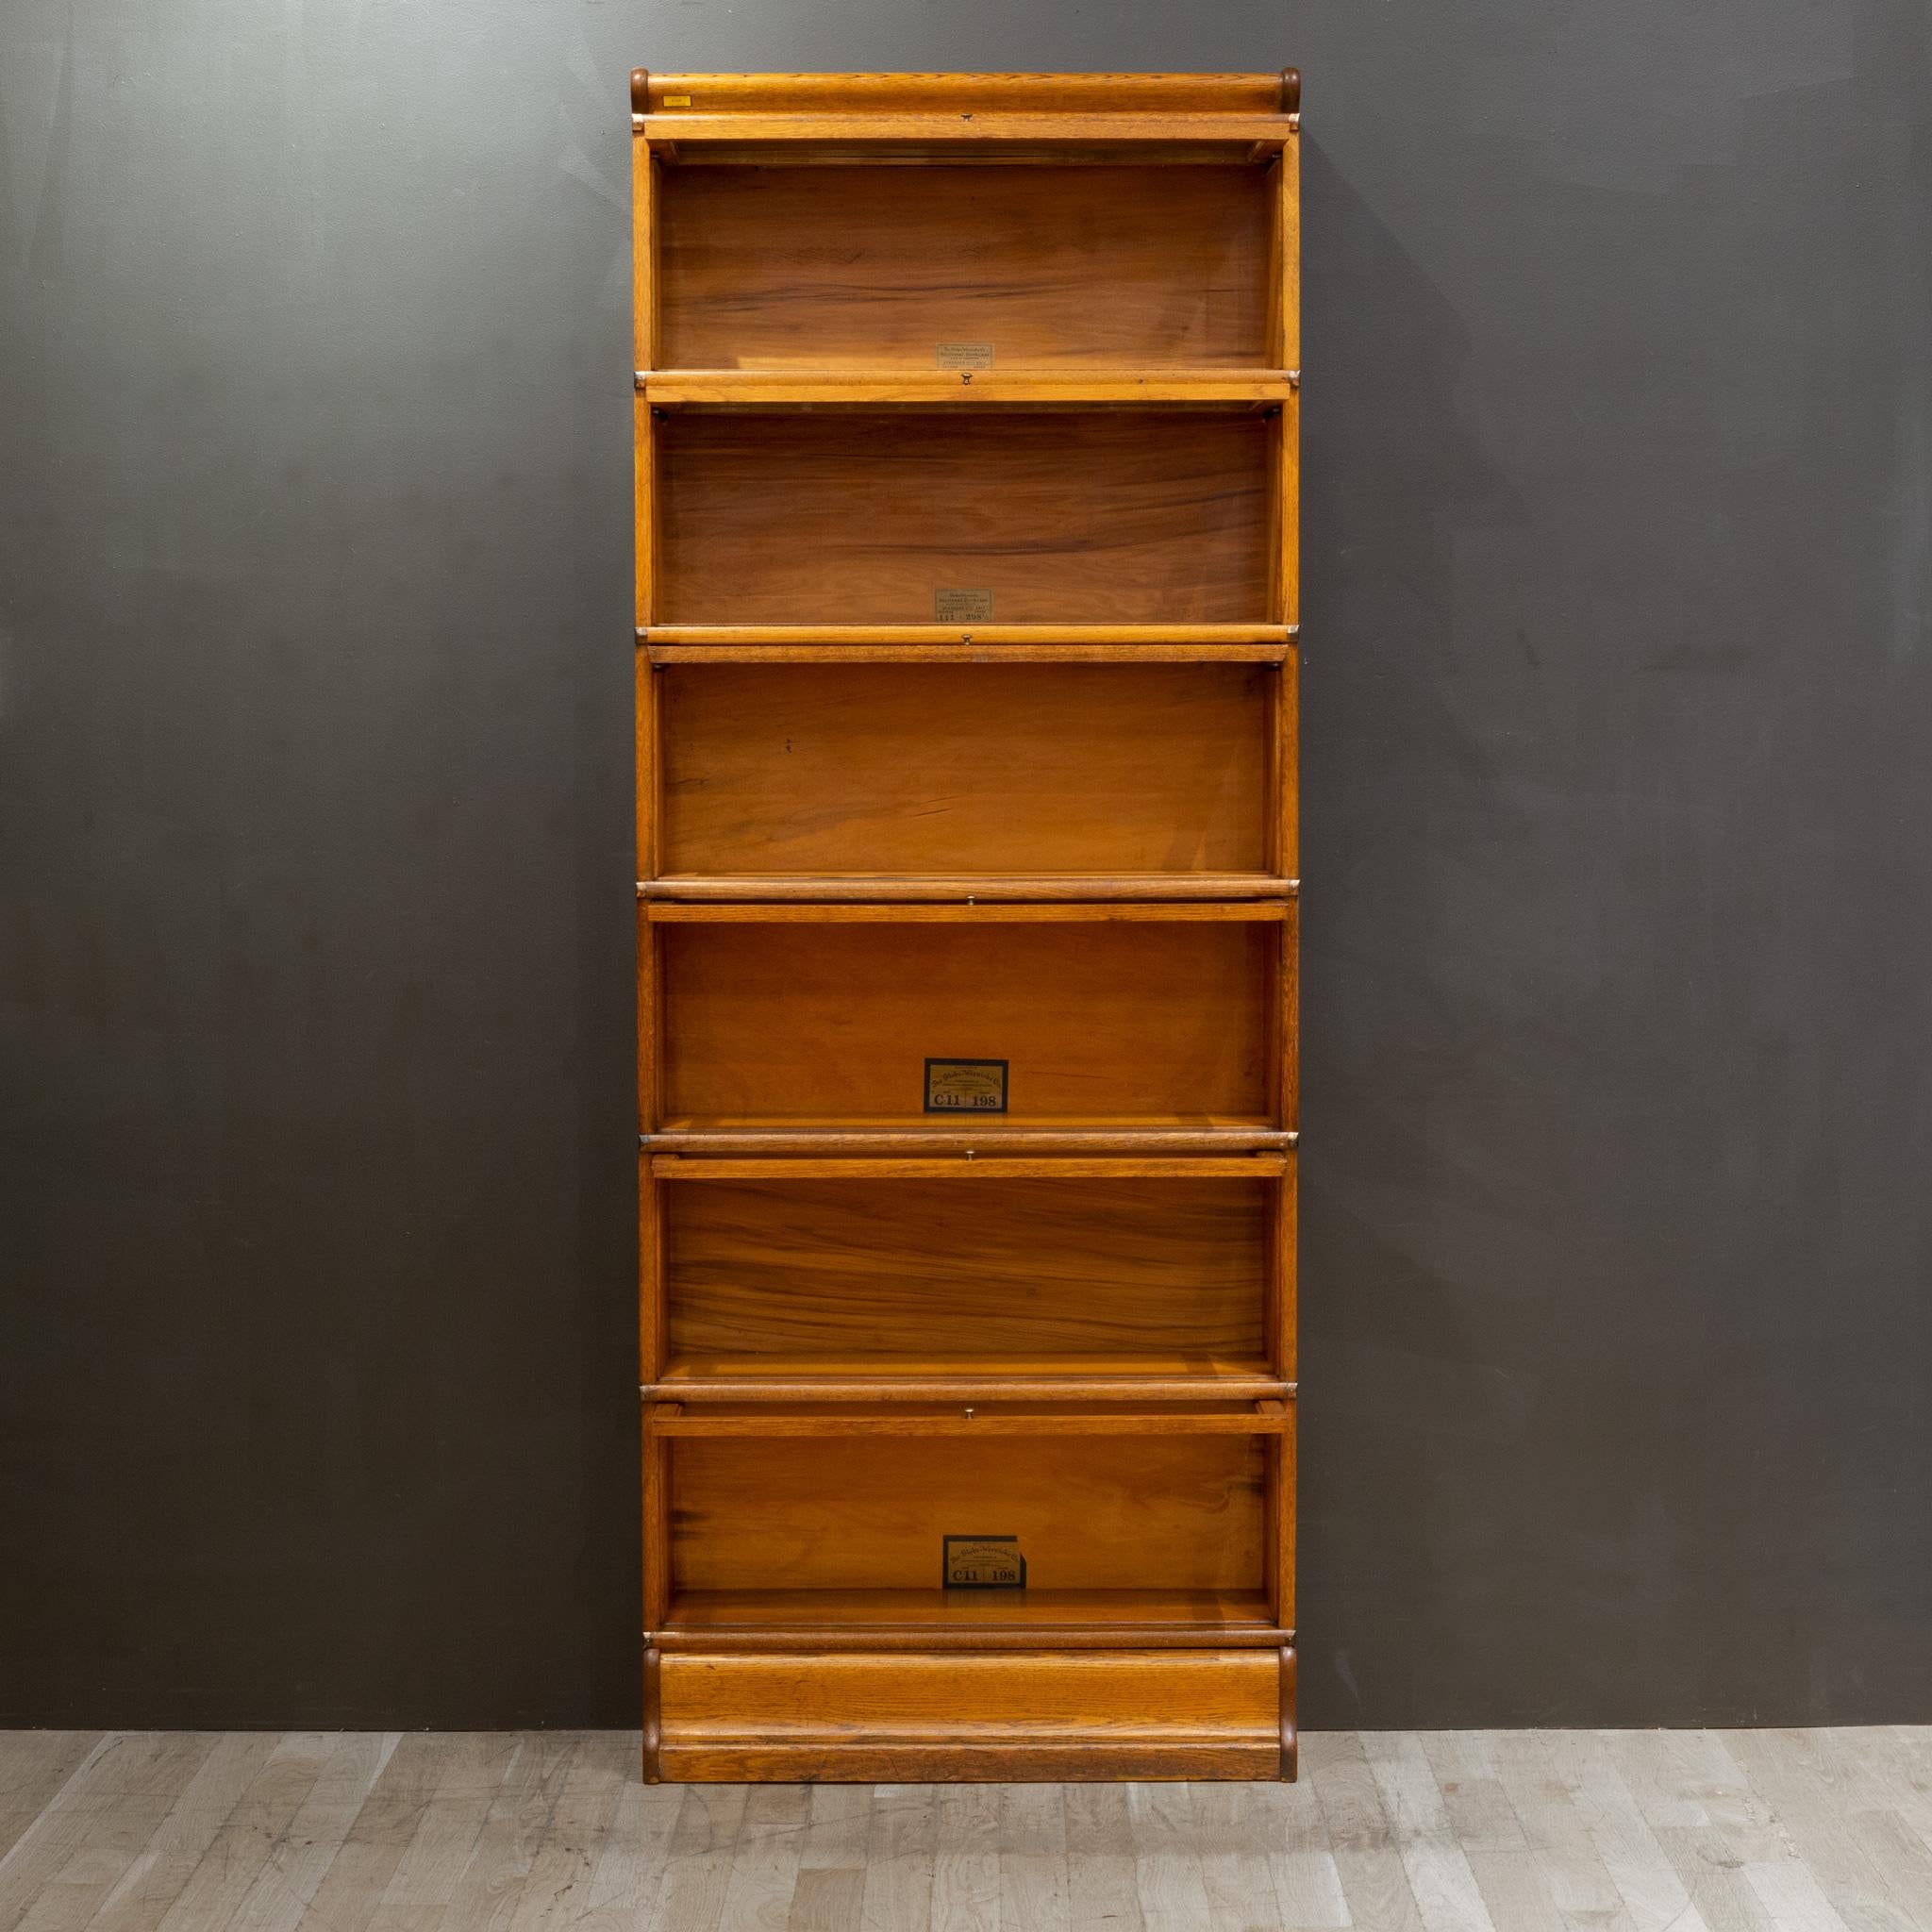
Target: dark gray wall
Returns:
[316, 1394]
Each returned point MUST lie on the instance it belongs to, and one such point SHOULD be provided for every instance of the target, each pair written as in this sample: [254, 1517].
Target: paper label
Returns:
[984, 1562]
[963, 354]
[952, 606]
[966, 1086]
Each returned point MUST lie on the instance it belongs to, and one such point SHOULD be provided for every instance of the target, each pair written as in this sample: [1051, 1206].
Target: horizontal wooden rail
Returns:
[971, 889]
[663, 656]
[886, 1387]
[982, 1137]
[848, 635]
[967, 912]
[745, 388]
[1044, 1633]
[1268, 92]
[672, 1419]
[1253, 137]
[960, 1167]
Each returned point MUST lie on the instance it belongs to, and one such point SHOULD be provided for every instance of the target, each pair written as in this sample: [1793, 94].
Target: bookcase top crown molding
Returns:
[966, 112]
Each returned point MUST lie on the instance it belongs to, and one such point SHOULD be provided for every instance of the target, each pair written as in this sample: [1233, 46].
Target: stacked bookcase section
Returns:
[966, 429]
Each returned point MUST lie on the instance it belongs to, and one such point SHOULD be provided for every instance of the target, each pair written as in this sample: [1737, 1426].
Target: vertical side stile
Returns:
[1288, 560]
[644, 521]
[1288, 1346]
[1279, 1507]
[655, 1525]
[1284, 1519]
[657, 1515]
[651, 1349]
[643, 256]
[1285, 838]
[1273, 336]
[645, 688]
[1285, 831]
[1288, 248]
[1272, 1493]
[1290, 1019]
[656, 1541]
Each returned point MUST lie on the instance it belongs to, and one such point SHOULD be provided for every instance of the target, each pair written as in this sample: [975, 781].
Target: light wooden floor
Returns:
[1698, 1831]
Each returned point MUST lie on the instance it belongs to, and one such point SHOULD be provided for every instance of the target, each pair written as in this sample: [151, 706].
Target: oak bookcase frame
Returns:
[870, 361]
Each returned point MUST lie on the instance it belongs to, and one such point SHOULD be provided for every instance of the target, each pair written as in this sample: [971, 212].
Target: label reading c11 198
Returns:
[984, 1562]
[966, 1086]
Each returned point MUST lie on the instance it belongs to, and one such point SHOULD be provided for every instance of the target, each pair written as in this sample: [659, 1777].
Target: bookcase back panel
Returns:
[1121, 1021]
[964, 768]
[1044, 1272]
[845, 268]
[1013, 517]
[830, 1512]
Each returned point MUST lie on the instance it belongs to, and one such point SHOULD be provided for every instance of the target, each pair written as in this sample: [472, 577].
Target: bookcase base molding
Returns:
[906, 1717]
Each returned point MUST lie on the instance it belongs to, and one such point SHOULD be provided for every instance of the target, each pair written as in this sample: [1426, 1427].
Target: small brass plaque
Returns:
[984, 1562]
[677, 100]
[963, 354]
[962, 606]
[965, 1086]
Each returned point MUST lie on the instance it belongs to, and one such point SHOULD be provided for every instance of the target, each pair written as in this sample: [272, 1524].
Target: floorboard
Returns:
[1444, 1831]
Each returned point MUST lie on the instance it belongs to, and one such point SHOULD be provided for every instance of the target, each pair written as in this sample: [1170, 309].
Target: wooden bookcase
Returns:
[966, 429]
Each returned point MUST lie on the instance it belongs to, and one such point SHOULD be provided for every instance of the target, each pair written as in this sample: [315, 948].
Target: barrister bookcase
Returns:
[966, 436]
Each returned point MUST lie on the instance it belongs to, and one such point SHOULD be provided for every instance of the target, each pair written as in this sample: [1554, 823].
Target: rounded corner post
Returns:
[1291, 89]
[640, 90]
[1290, 1722]
[651, 1761]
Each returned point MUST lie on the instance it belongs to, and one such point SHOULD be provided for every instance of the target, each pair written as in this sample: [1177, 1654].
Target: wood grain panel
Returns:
[948, 768]
[804, 517]
[993, 1760]
[861, 1270]
[878, 94]
[830, 1512]
[864, 269]
[966, 1619]
[1116, 1695]
[1112, 1023]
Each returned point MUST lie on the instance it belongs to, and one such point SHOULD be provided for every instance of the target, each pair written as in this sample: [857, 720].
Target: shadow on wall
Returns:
[1391, 475]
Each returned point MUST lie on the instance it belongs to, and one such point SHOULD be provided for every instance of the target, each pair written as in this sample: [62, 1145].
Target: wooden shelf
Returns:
[964, 1167]
[982, 1150]
[1120, 388]
[990, 888]
[1138, 1616]
[988, 1378]
[991, 1138]
[953, 1418]
[951, 910]
[753, 138]
[666, 644]
[1139, 635]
